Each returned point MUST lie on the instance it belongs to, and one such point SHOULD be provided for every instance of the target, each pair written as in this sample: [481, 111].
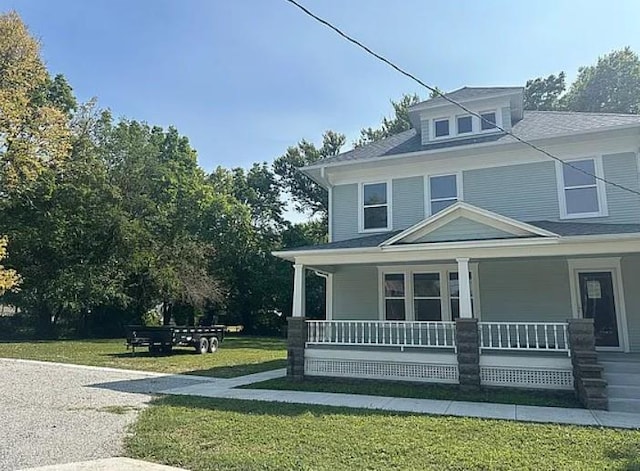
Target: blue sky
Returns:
[244, 79]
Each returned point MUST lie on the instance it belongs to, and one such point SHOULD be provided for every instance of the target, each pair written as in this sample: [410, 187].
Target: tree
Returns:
[612, 85]
[9, 278]
[34, 132]
[396, 124]
[307, 195]
[543, 94]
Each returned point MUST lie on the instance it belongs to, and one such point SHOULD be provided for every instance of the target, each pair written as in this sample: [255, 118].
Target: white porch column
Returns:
[464, 284]
[298, 309]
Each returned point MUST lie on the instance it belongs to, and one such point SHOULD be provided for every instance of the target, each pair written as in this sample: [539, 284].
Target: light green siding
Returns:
[526, 192]
[624, 207]
[525, 290]
[408, 202]
[506, 118]
[630, 266]
[355, 293]
[344, 212]
[463, 229]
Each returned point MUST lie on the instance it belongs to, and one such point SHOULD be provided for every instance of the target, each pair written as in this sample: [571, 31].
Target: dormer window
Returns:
[441, 127]
[465, 124]
[488, 120]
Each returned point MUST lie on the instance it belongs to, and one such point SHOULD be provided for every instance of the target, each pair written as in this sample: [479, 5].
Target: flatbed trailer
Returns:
[162, 339]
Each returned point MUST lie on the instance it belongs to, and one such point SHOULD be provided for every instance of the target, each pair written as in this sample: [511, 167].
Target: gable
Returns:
[463, 228]
[462, 221]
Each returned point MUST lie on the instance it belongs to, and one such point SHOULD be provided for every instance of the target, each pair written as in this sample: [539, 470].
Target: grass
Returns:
[237, 356]
[220, 434]
[422, 391]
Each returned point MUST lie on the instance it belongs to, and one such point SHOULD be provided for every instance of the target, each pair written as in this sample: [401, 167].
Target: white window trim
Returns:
[445, 298]
[498, 121]
[361, 186]
[612, 265]
[599, 185]
[433, 129]
[427, 190]
[473, 125]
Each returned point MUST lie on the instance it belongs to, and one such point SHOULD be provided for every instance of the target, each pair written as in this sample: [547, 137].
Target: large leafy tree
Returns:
[307, 195]
[611, 85]
[34, 131]
[543, 93]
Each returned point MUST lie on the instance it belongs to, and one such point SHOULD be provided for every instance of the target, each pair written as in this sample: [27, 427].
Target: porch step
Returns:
[624, 405]
[622, 379]
[624, 392]
[615, 366]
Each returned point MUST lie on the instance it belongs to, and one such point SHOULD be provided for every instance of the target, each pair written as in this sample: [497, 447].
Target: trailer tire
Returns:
[154, 349]
[213, 345]
[203, 346]
[166, 349]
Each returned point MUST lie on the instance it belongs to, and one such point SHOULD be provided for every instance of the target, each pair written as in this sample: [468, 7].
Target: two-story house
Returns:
[457, 219]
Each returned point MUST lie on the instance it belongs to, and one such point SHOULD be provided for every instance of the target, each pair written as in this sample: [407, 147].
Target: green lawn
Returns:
[237, 356]
[422, 391]
[217, 434]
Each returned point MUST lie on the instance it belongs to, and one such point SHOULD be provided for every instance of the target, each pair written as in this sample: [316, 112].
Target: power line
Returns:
[437, 92]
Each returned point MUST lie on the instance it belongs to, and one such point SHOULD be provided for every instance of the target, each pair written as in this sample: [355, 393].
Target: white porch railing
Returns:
[524, 336]
[382, 333]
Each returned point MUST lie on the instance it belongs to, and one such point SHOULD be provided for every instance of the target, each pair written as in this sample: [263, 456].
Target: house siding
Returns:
[630, 266]
[344, 212]
[408, 201]
[525, 290]
[424, 131]
[624, 207]
[506, 118]
[526, 192]
[463, 229]
[355, 293]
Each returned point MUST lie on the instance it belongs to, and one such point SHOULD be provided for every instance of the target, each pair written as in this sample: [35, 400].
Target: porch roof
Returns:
[563, 229]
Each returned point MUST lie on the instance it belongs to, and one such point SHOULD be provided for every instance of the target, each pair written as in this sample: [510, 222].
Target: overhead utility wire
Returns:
[436, 92]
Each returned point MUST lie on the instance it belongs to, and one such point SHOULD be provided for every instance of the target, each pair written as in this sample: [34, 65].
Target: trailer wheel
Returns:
[166, 349]
[213, 345]
[203, 346]
[154, 349]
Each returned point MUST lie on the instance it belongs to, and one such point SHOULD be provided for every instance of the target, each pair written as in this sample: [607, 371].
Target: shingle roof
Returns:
[568, 228]
[468, 93]
[564, 228]
[534, 125]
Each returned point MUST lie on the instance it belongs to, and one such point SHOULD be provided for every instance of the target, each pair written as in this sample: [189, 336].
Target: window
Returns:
[394, 297]
[581, 193]
[375, 207]
[441, 127]
[424, 293]
[488, 121]
[465, 124]
[454, 294]
[427, 300]
[443, 192]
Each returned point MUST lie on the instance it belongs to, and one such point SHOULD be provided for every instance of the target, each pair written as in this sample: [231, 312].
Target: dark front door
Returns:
[597, 300]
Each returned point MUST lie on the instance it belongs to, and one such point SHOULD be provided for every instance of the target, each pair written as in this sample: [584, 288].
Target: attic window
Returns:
[441, 127]
[465, 124]
[488, 120]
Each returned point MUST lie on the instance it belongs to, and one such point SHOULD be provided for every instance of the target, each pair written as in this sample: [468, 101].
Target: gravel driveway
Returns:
[52, 414]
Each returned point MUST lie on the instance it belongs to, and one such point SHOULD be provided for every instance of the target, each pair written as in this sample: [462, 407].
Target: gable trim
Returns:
[473, 213]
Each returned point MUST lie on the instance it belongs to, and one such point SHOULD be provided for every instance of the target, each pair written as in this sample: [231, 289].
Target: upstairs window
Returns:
[488, 121]
[581, 195]
[443, 192]
[441, 127]
[465, 124]
[375, 207]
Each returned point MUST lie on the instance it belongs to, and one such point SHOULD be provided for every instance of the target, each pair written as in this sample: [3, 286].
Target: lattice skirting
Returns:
[526, 377]
[435, 373]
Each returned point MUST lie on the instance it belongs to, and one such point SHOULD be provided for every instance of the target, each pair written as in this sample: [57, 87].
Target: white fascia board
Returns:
[488, 145]
[426, 106]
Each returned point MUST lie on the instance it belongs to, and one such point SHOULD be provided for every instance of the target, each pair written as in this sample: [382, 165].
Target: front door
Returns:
[597, 301]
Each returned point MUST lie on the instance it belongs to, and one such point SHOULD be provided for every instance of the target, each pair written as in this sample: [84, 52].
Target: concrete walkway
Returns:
[556, 415]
